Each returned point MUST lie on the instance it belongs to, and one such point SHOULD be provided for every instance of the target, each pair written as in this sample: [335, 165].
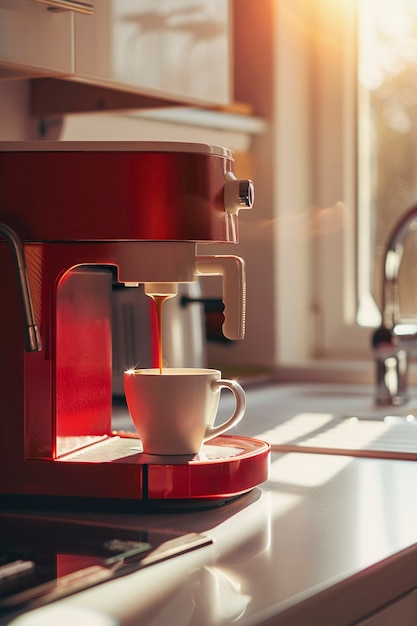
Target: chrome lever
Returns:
[32, 336]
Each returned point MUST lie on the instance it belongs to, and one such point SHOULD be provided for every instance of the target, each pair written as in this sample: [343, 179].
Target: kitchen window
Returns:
[387, 150]
[364, 95]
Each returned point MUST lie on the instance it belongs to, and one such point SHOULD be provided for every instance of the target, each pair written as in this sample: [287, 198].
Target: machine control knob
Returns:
[238, 194]
[246, 193]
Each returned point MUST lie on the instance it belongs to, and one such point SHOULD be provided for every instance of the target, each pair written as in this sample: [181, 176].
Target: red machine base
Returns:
[115, 468]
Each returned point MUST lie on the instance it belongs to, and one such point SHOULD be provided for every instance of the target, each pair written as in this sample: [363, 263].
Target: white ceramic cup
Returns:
[174, 412]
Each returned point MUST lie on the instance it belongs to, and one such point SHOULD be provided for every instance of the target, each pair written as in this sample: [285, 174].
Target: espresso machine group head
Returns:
[74, 219]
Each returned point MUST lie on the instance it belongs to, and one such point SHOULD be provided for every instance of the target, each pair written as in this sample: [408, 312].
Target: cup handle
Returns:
[238, 413]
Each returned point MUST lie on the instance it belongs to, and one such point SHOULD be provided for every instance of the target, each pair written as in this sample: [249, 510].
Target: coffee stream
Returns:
[159, 301]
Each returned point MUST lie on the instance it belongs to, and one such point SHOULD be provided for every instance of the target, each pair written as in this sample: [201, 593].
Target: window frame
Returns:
[341, 282]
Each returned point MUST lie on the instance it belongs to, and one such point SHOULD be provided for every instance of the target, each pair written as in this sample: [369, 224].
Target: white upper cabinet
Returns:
[173, 49]
[34, 40]
[176, 48]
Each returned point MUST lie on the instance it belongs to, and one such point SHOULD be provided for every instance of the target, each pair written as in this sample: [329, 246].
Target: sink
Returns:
[330, 419]
[326, 433]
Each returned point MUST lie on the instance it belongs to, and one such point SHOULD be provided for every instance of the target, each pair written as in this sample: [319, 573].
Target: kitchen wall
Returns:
[16, 124]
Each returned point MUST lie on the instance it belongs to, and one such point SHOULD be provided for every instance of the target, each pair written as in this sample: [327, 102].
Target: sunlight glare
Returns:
[307, 470]
[387, 40]
[297, 427]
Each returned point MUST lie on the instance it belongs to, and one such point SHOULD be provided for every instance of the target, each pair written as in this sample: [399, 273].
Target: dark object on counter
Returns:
[42, 560]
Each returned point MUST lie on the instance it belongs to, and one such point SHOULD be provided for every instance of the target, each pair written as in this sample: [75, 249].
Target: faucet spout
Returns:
[392, 263]
[395, 340]
[31, 331]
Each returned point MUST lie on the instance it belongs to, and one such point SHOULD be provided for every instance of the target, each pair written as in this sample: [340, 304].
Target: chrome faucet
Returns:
[396, 340]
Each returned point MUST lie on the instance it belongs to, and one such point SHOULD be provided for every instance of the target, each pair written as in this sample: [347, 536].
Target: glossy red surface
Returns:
[83, 353]
[217, 478]
[53, 196]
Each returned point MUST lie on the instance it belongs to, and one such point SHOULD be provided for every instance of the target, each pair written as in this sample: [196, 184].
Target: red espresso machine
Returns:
[75, 218]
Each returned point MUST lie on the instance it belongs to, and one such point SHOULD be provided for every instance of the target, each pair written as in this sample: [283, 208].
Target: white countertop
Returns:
[329, 539]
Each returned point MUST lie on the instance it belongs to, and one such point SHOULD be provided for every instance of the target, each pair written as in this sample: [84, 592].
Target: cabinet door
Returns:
[33, 40]
[180, 47]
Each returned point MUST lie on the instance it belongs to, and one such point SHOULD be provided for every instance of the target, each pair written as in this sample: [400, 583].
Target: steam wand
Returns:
[32, 337]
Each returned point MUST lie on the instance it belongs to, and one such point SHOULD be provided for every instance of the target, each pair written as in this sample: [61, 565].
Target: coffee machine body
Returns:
[75, 219]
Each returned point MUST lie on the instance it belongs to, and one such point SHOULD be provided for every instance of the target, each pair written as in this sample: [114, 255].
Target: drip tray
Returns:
[393, 437]
[224, 468]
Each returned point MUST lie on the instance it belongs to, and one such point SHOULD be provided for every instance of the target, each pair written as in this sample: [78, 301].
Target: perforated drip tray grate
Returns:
[394, 437]
[116, 448]
[105, 451]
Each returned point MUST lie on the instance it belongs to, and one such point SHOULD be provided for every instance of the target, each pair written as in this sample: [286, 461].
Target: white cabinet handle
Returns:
[68, 5]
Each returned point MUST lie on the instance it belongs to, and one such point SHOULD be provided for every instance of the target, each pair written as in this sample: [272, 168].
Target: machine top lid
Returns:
[114, 146]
